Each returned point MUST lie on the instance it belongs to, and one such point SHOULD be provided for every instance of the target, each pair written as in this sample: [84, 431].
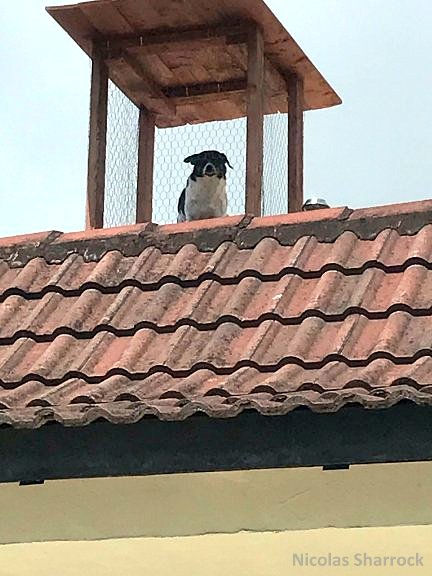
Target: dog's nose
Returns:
[209, 169]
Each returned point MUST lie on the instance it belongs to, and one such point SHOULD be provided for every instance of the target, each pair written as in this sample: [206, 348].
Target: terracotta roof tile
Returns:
[315, 309]
[299, 217]
[36, 238]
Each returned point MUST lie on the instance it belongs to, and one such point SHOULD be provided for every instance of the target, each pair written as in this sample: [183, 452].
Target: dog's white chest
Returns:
[205, 198]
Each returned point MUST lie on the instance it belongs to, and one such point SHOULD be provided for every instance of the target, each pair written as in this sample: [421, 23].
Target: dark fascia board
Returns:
[201, 444]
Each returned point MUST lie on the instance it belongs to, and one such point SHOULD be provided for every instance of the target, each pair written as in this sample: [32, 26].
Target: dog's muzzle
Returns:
[209, 170]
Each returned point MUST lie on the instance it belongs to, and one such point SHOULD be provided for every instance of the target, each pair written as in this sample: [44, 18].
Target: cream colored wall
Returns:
[195, 504]
[242, 554]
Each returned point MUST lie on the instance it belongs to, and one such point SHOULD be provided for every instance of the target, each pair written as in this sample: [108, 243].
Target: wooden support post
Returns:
[145, 166]
[255, 121]
[295, 143]
[97, 142]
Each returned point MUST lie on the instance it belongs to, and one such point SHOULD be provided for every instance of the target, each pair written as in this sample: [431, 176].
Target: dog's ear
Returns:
[192, 159]
[226, 160]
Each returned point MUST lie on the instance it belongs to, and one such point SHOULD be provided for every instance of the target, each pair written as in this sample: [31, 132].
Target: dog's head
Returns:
[208, 163]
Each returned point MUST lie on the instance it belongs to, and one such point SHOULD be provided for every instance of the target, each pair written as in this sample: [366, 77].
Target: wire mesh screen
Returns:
[121, 159]
[172, 145]
[275, 176]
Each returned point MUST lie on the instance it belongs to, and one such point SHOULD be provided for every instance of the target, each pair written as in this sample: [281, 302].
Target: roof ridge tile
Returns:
[207, 235]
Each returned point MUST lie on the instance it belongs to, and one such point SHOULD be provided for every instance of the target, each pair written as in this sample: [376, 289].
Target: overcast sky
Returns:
[375, 148]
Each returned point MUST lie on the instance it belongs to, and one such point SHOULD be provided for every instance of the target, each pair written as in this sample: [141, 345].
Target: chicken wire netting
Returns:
[172, 145]
[121, 159]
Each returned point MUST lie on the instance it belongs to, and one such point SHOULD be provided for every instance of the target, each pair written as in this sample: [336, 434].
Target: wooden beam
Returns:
[402, 433]
[157, 41]
[255, 121]
[274, 79]
[145, 166]
[217, 89]
[152, 95]
[97, 142]
[295, 143]
[210, 98]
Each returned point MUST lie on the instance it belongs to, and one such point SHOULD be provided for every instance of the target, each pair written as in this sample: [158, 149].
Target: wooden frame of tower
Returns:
[190, 61]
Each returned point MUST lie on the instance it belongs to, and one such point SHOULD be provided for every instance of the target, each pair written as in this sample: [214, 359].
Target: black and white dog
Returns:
[205, 193]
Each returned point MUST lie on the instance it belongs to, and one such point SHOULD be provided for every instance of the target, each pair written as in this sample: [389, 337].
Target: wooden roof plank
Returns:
[76, 24]
[104, 17]
[157, 64]
[158, 67]
[133, 12]
[200, 9]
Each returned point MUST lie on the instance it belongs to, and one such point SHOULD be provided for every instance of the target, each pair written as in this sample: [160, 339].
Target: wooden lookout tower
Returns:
[188, 62]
